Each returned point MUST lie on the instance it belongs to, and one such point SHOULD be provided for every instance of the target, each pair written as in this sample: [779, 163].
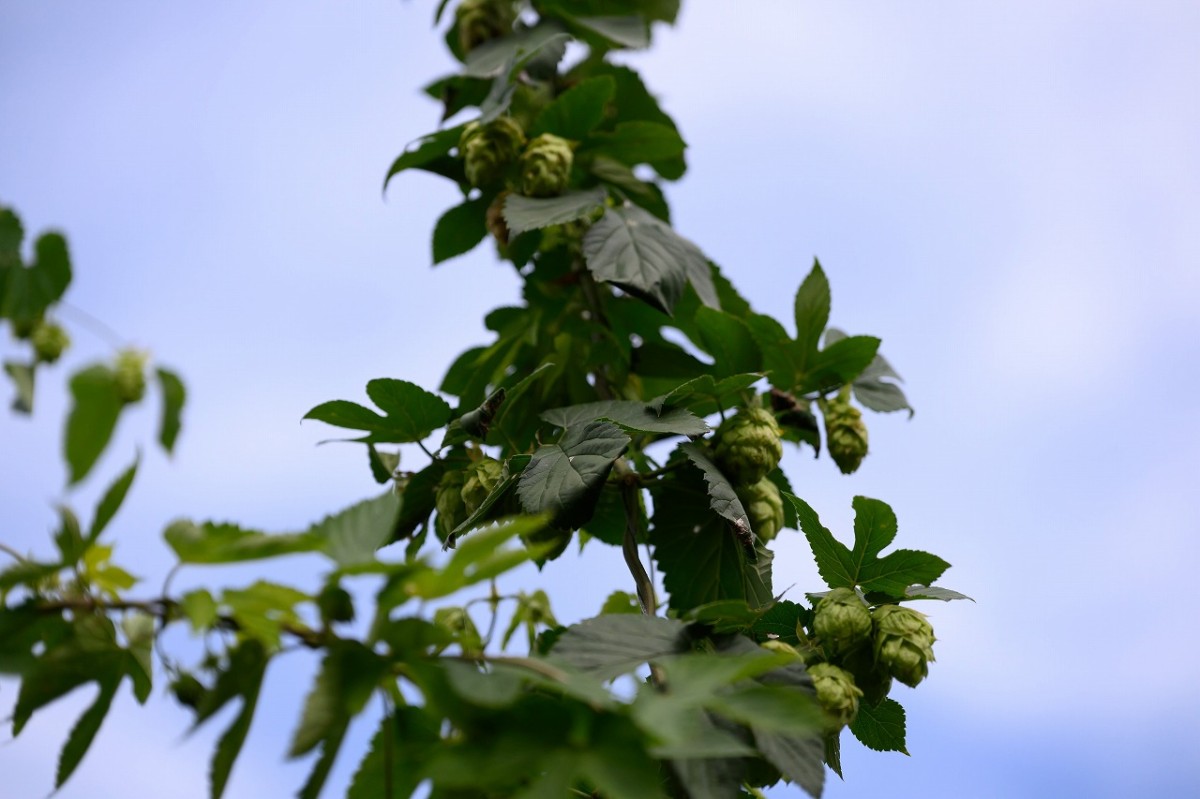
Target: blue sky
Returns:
[1006, 194]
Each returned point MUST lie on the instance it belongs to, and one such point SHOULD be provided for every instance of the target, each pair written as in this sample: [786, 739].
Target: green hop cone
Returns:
[130, 372]
[748, 446]
[842, 621]
[845, 433]
[448, 500]
[903, 643]
[49, 342]
[481, 21]
[482, 477]
[836, 692]
[764, 506]
[489, 150]
[546, 166]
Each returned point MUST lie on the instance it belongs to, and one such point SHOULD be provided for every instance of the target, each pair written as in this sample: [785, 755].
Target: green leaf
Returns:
[834, 561]
[210, 542]
[513, 468]
[798, 758]
[926, 592]
[352, 536]
[729, 341]
[722, 497]
[92, 419]
[812, 314]
[397, 755]
[638, 142]
[412, 413]
[565, 479]
[417, 499]
[173, 395]
[263, 609]
[631, 415]
[641, 255]
[490, 58]
[200, 609]
[529, 213]
[22, 375]
[478, 558]
[383, 464]
[779, 352]
[85, 729]
[869, 387]
[426, 152]
[779, 622]
[839, 364]
[536, 51]
[110, 503]
[771, 708]
[349, 673]
[460, 229]
[705, 392]
[880, 727]
[69, 538]
[26, 292]
[242, 678]
[608, 646]
[701, 557]
[575, 112]
[625, 31]
[620, 602]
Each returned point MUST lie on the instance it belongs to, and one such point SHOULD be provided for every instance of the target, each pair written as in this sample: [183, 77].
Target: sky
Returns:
[1007, 194]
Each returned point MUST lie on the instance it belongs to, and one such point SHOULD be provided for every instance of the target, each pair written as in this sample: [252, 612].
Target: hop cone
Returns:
[488, 150]
[748, 446]
[903, 643]
[481, 21]
[836, 692]
[481, 477]
[842, 621]
[131, 375]
[845, 433]
[546, 166]
[764, 506]
[49, 341]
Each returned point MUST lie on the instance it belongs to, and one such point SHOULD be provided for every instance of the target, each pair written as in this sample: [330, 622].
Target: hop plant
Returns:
[481, 21]
[836, 692]
[764, 506]
[845, 432]
[481, 477]
[546, 166]
[448, 499]
[903, 643]
[488, 150]
[842, 621]
[872, 678]
[49, 341]
[131, 375]
[748, 446]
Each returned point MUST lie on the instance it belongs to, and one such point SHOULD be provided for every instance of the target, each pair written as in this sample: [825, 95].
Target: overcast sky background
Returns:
[1008, 194]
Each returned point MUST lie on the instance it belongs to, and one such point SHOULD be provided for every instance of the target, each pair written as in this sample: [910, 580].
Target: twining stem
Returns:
[630, 486]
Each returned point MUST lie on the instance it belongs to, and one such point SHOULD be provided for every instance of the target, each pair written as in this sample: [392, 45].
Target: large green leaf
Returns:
[839, 364]
[874, 529]
[352, 536]
[611, 645]
[460, 229]
[210, 542]
[702, 558]
[565, 478]
[529, 213]
[638, 142]
[578, 110]
[93, 417]
[880, 727]
[642, 255]
[631, 415]
[412, 413]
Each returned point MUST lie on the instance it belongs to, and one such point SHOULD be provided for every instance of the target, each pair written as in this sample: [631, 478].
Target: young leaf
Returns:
[578, 110]
[92, 418]
[631, 415]
[565, 479]
[460, 229]
[640, 254]
[880, 727]
[173, 397]
[812, 314]
[529, 213]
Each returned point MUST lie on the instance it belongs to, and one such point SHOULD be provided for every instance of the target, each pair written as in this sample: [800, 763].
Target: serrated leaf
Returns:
[242, 678]
[565, 479]
[23, 377]
[642, 255]
[722, 497]
[96, 405]
[798, 758]
[729, 341]
[575, 112]
[110, 503]
[349, 673]
[608, 646]
[396, 756]
[631, 415]
[490, 58]
[839, 364]
[460, 229]
[84, 732]
[425, 152]
[352, 536]
[173, 397]
[412, 413]
[703, 391]
[779, 622]
[880, 727]
[834, 561]
[812, 307]
[869, 387]
[530, 213]
[638, 142]
[210, 542]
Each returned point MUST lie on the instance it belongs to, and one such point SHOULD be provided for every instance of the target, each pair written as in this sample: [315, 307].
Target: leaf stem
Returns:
[7, 550]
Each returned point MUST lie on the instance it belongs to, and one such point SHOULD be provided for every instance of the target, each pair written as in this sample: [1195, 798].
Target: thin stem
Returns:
[7, 550]
[629, 495]
[95, 325]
